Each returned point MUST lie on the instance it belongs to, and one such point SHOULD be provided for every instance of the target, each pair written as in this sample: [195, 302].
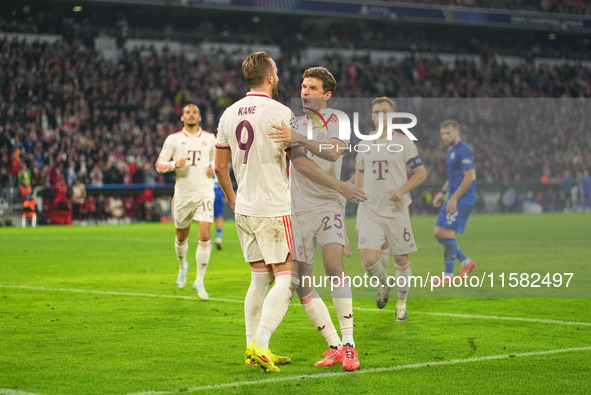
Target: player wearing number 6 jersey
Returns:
[191, 151]
[262, 203]
[384, 217]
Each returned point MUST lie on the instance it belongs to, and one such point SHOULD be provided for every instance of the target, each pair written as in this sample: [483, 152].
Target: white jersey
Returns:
[199, 150]
[383, 171]
[259, 164]
[308, 195]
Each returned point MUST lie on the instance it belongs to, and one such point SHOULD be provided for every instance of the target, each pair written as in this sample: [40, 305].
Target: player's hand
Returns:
[210, 172]
[452, 206]
[232, 203]
[352, 192]
[437, 200]
[283, 134]
[395, 194]
[180, 163]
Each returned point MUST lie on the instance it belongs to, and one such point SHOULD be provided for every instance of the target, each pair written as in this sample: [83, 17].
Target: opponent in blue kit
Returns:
[454, 213]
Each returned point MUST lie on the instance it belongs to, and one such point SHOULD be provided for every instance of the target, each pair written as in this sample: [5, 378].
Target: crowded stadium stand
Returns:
[90, 95]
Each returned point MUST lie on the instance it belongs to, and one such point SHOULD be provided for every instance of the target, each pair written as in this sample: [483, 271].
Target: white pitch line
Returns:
[487, 317]
[492, 317]
[8, 391]
[365, 371]
[150, 295]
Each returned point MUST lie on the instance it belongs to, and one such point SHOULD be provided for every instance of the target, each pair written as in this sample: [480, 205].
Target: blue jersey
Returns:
[586, 184]
[460, 159]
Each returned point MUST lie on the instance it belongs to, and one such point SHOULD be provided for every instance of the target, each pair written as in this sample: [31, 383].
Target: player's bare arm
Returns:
[210, 171]
[311, 170]
[330, 152]
[357, 178]
[419, 174]
[452, 204]
[223, 156]
[439, 196]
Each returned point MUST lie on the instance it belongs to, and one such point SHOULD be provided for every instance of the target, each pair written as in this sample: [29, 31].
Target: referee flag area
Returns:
[96, 310]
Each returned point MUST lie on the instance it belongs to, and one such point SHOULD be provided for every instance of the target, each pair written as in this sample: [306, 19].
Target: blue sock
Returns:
[451, 251]
[218, 233]
[461, 256]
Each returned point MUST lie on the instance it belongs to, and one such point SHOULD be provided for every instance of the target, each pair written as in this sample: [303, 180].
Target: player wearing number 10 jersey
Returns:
[262, 203]
[192, 151]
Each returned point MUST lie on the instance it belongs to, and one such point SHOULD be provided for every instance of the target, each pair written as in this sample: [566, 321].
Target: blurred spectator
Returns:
[102, 207]
[78, 198]
[60, 200]
[116, 207]
[29, 212]
[129, 207]
[91, 208]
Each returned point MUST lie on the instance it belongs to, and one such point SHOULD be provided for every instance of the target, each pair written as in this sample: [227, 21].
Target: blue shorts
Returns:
[455, 221]
[218, 204]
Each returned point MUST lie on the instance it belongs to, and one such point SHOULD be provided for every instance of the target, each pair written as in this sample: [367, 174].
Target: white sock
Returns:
[260, 281]
[181, 252]
[274, 308]
[465, 261]
[385, 257]
[405, 272]
[342, 299]
[317, 312]
[377, 270]
[202, 257]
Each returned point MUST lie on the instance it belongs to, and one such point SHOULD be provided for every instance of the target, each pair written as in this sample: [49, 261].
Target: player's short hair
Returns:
[450, 122]
[329, 84]
[194, 105]
[256, 67]
[384, 99]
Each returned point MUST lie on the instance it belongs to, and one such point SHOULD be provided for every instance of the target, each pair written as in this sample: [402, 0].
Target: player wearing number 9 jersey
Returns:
[191, 151]
[262, 202]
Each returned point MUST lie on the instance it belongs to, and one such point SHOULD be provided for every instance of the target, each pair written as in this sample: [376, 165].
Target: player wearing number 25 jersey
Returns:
[192, 151]
[262, 202]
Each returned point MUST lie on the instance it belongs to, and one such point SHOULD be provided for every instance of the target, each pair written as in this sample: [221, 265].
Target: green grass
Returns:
[119, 334]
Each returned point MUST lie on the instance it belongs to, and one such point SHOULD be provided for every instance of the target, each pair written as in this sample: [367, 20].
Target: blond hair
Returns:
[384, 99]
[450, 122]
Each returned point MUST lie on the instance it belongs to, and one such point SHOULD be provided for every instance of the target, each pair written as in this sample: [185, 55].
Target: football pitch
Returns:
[95, 310]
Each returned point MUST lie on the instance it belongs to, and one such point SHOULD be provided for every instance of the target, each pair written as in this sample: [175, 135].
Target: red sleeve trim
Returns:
[222, 147]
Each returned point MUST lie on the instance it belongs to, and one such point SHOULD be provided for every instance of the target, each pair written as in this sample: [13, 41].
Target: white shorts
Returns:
[266, 239]
[188, 209]
[313, 228]
[375, 229]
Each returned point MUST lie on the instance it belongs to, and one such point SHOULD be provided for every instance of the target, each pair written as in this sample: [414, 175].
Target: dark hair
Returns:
[329, 84]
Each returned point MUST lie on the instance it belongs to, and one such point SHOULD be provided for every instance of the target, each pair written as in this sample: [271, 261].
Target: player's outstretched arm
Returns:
[419, 174]
[222, 159]
[313, 172]
[327, 151]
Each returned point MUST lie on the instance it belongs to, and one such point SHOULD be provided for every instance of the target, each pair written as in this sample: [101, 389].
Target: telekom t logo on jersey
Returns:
[345, 126]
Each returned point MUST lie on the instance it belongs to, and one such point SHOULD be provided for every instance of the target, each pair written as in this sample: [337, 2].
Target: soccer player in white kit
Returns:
[320, 216]
[192, 150]
[384, 217]
[261, 203]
